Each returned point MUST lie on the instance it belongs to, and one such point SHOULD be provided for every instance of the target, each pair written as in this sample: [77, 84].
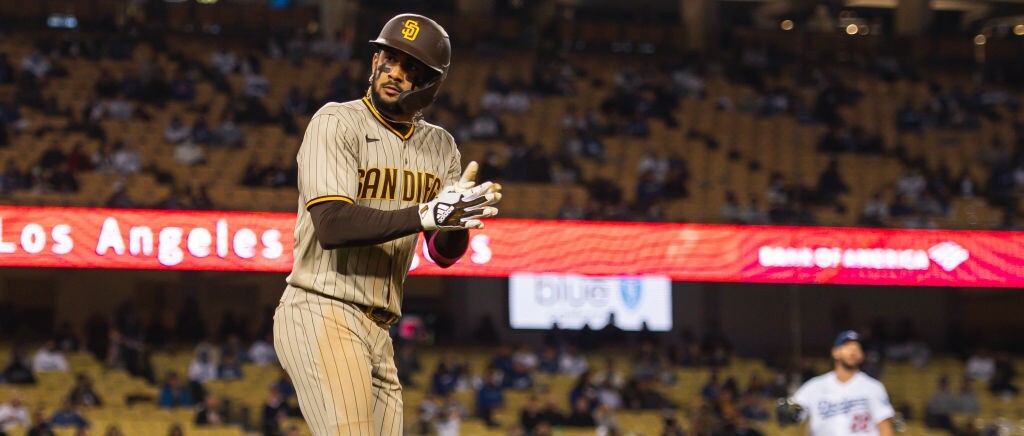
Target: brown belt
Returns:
[375, 314]
[378, 315]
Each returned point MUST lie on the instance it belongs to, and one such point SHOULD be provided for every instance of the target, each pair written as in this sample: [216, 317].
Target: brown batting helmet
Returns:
[425, 40]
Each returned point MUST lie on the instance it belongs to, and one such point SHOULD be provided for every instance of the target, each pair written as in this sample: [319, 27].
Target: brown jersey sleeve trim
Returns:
[319, 200]
[379, 118]
[338, 224]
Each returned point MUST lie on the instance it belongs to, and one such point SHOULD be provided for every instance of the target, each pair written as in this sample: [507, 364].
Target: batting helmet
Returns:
[427, 42]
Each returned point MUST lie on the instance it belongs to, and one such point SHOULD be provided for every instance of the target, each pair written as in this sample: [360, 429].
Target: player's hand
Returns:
[788, 412]
[456, 209]
[468, 179]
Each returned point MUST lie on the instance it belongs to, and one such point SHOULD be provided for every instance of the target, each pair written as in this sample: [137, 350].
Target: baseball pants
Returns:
[341, 363]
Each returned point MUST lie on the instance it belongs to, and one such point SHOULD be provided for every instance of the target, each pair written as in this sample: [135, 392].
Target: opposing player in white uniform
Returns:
[846, 401]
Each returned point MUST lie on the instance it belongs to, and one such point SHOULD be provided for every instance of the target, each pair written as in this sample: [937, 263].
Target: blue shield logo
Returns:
[632, 291]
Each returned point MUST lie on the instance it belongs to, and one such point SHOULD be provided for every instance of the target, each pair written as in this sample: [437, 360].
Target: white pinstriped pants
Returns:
[341, 363]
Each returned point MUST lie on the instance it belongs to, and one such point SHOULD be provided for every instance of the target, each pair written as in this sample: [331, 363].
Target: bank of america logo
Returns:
[948, 255]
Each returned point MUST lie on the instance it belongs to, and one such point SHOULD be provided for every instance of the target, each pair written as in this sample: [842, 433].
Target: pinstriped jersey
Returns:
[349, 153]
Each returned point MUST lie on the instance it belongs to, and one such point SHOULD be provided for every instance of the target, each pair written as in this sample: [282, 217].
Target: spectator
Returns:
[52, 156]
[572, 363]
[120, 108]
[980, 366]
[209, 412]
[408, 363]
[173, 393]
[940, 406]
[188, 153]
[49, 359]
[176, 131]
[126, 159]
[275, 409]
[67, 416]
[580, 415]
[490, 398]
[119, 198]
[36, 64]
[228, 133]
[83, 394]
[549, 362]
[229, 368]
[40, 425]
[530, 416]
[443, 380]
[262, 351]
[202, 369]
[752, 408]
[731, 211]
[966, 399]
[831, 184]
[1001, 382]
[6, 69]
[224, 61]
[449, 417]
[13, 414]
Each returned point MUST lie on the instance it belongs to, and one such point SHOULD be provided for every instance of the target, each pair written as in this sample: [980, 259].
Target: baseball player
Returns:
[372, 176]
[844, 401]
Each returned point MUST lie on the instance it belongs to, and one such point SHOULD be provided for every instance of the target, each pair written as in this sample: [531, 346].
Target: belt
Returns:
[378, 315]
[375, 314]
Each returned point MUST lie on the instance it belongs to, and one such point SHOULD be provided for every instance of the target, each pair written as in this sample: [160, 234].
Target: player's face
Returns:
[850, 355]
[393, 73]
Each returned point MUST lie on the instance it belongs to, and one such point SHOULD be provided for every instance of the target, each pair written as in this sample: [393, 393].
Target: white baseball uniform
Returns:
[836, 408]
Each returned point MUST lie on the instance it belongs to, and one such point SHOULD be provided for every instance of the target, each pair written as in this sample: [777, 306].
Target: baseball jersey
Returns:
[852, 408]
[350, 153]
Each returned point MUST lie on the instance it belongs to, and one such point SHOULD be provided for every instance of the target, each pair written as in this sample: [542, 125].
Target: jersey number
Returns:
[861, 423]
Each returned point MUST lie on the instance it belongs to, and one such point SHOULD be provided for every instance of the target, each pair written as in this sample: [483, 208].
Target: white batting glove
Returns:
[457, 209]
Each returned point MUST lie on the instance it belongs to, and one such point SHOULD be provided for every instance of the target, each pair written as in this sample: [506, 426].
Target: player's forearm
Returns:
[885, 428]
[338, 224]
[446, 248]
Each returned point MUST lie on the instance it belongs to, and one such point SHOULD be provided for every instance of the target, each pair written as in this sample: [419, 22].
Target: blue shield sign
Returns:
[631, 290]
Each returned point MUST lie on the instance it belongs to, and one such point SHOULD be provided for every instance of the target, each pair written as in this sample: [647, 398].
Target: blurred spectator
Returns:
[549, 361]
[125, 159]
[6, 69]
[229, 368]
[36, 63]
[1001, 382]
[224, 61]
[49, 359]
[13, 414]
[83, 394]
[67, 416]
[210, 412]
[449, 417]
[40, 425]
[752, 409]
[489, 398]
[443, 380]
[967, 399]
[530, 416]
[580, 416]
[731, 211]
[173, 393]
[176, 131]
[262, 351]
[113, 430]
[228, 133]
[940, 406]
[275, 409]
[202, 368]
[573, 363]
[980, 366]
[188, 153]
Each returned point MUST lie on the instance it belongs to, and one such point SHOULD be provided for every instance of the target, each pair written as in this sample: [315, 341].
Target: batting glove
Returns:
[456, 209]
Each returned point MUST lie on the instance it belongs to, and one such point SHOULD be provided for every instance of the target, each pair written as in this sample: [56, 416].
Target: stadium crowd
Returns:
[635, 96]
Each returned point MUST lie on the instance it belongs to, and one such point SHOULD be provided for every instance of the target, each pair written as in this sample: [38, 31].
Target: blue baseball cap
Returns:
[844, 337]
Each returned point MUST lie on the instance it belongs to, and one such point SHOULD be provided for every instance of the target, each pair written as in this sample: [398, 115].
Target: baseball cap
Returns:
[846, 336]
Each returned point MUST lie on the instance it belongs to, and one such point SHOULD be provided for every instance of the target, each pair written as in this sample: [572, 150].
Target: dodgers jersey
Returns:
[349, 153]
[852, 408]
